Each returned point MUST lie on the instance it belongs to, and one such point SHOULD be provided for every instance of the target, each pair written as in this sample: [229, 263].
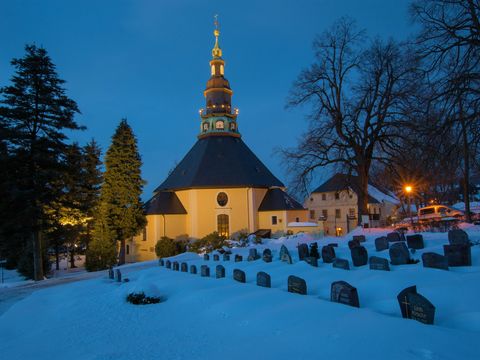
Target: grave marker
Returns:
[161, 262]
[239, 275]
[458, 236]
[314, 250]
[394, 236]
[313, 261]
[226, 257]
[193, 269]
[344, 293]
[399, 254]
[253, 255]
[359, 256]
[238, 258]
[111, 274]
[328, 254]
[216, 257]
[458, 255]
[118, 275]
[378, 263]
[302, 251]
[415, 241]
[415, 306]
[204, 271]
[435, 261]
[381, 243]
[206, 257]
[168, 264]
[360, 238]
[175, 266]
[353, 243]
[267, 255]
[297, 285]
[263, 279]
[341, 264]
[184, 267]
[219, 271]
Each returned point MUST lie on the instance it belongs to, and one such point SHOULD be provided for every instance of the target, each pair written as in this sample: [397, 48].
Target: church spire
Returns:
[218, 117]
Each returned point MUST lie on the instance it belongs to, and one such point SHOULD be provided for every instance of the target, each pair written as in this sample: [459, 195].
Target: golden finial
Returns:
[216, 51]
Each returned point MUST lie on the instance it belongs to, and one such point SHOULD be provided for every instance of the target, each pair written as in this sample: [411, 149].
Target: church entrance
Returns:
[222, 225]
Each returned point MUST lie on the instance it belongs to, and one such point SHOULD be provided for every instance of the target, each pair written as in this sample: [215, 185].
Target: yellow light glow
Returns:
[408, 189]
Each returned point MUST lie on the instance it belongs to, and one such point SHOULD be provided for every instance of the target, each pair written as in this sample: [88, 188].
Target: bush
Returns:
[165, 247]
[141, 299]
[208, 243]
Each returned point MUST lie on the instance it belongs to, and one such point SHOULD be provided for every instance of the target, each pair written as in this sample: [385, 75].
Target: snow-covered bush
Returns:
[166, 247]
[208, 243]
[141, 299]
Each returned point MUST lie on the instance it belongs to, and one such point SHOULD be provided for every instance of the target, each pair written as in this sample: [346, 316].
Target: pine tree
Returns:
[122, 187]
[36, 112]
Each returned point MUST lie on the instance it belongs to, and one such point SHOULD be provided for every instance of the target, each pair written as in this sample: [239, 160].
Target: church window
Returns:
[338, 213]
[232, 126]
[274, 220]
[205, 126]
[219, 124]
[213, 70]
[222, 225]
[222, 199]
[221, 70]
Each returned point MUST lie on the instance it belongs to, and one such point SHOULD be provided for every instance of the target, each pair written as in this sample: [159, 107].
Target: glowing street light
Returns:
[408, 191]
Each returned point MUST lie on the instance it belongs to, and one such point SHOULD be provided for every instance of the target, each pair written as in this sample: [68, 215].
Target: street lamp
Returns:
[408, 191]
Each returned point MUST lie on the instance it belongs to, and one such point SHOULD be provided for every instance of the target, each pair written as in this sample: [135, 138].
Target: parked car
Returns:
[437, 212]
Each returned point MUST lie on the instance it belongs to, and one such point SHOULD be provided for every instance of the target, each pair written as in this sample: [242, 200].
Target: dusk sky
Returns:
[147, 60]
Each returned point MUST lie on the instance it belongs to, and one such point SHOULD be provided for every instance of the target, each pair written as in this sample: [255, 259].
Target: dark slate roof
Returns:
[340, 182]
[164, 202]
[219, 161]
[277, 199]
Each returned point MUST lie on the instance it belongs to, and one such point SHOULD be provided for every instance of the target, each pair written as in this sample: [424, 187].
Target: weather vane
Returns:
[215, 22]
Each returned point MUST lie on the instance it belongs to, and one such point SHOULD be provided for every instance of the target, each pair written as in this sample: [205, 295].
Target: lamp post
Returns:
[408, 191]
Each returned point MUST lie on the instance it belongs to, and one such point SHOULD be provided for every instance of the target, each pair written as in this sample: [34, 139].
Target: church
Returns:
[220, 185]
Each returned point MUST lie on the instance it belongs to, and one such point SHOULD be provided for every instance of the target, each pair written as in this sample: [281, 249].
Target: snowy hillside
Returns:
[209, 318]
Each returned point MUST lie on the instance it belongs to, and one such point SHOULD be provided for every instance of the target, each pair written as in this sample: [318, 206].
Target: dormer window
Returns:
[219, 125]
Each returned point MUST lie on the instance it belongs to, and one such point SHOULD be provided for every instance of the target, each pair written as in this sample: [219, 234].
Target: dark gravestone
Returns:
[341, 264]
[175, 266]
[111, 274]
[239, 275]
[359, 256]
[415, 241]
[184, 267]
[253, 255]
[415, 306]
[458, 255]
[344, 293]
[328, 254]
[381, 243]
[283, 251]
[216, 257]
[193, 269]
[206, 257]
[168, 264]
[297, 285]
[285, 255]
[263, 279]
[314, 250]
[435, 261]
[302, 251]
[458, 236]
[378, 263]
[219, 271]
[394, 236]
[353, 243]
[399, 254]
[360, 238]
[221, 251]
[226, 257]
[402, 299]
[267, 255]
[238, 258]
[311, 261]
[161, 262]
[204, 271]
[118, 275]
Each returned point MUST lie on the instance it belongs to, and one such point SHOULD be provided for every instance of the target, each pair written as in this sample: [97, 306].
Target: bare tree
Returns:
[356, 89]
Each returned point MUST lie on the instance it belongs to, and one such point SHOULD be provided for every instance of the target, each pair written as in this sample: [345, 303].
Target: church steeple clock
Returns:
[218, 117]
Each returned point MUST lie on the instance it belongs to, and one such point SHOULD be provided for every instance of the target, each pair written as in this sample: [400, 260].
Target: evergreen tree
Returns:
[36, 112]
[122, 187]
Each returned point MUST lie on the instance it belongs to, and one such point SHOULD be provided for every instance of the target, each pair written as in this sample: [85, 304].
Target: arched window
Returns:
[213, 70]
[221, 69]
[222, 225]
[205, 126]
[232, 126]
[219, 125]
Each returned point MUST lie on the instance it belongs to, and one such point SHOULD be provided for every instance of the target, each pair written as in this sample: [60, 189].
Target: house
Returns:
[335, 202]
[220, 185]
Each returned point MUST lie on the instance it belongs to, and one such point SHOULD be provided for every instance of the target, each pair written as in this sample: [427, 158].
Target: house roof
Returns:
[340, 182]
[164, 202]
[277, 199]
[219, 161]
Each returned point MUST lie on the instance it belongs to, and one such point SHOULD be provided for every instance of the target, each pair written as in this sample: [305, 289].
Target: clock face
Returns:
[222, 199]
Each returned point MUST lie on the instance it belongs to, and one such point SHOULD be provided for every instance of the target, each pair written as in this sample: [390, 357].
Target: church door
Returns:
[222, 225]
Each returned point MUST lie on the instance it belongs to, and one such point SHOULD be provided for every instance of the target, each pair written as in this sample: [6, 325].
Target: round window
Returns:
[222, 199]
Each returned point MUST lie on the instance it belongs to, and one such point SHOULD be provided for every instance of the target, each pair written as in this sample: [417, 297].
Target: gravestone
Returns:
[263, 279]
[184, 267]
[283, 251]
[118, 275]
[175, 266]
[458, 236]
[360, 238]
[253, 255]
[297, 285]
[204, 271]
[328, 254]
[353, 243]
[415, 306]
[239, 275]
[168, 264]
[341, 264]
[402, 299]
[206, 257]
[219, 271]
[415, 241]
[359, 256]
[314, 250]
[394, 236]
[458, 255]
[435, 261]
[161, 262]
[333, 244]
[344, 293]
[381, 243]
[302, 251]
[221, 251]
[267, 255]
[313, 261]
[216, 257]
[238, 258]
[193, 269]
[285, 255]
[111, 274]
[378, 263]
[399, 254]
[226, 257]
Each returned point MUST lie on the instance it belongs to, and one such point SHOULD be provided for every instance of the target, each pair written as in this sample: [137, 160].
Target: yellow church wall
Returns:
[265, 220]
[292, 216]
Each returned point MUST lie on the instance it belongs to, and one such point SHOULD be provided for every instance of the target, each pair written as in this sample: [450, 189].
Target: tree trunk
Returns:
[57, 257]
[466, 170]
[121, 254]
[362, 194]
[72, 257]
[37, 255]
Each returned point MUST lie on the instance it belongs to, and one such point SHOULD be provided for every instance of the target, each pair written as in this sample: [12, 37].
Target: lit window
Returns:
[219, 124]
[213, 70]
[222, 225]
[205, 126]
[221, 70]
[232, 126]
[274, 220]
[338, 213]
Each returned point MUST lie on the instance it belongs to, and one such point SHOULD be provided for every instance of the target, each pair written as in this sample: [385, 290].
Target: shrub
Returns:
[141, 299]
[166, 247]
[208, 243]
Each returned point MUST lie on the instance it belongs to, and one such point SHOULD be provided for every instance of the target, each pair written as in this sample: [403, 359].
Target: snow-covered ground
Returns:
[208, 318]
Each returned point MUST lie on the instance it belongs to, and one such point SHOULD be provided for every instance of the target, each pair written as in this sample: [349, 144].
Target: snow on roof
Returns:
[297, 224]
[381, 196]
[474, 206]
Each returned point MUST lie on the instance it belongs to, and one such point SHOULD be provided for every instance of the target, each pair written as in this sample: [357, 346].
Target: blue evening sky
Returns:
[147, 60]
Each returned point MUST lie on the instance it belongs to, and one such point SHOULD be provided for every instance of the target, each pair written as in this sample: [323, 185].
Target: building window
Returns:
[312, 214]
[128, 249]
[144, 234]
[274, 220]
[222, 199]
[338, 231]
[337, 196]
[232, 126]
[325, 214]
[351, 212]
[297, 219]
[221, 70]
[205, 126]
[222, 225]
[213, 70]
[219, 124]
[338, 213]
[311, 199]
[324, 197]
